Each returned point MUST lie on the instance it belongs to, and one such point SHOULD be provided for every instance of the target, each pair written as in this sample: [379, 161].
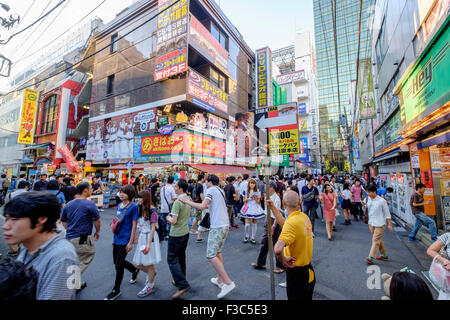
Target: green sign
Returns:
[388, 134]
[427, 84]
[163, 121]
[365, 91]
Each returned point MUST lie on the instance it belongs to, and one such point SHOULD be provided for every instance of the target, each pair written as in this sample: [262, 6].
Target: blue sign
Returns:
[130, 164]
[302, 108]
[166, 130]
[303, 144]
[203, 105]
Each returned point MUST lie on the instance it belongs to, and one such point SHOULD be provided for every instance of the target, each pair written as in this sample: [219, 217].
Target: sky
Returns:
[261, 22]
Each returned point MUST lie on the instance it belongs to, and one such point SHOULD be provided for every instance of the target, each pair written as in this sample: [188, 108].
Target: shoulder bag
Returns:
[116, 223]
[206, 221]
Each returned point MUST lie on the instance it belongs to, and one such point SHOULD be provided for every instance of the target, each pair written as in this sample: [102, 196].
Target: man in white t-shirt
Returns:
[302, 182]
[243, 186]
[276, 230]
[168, 196]
[218, 231]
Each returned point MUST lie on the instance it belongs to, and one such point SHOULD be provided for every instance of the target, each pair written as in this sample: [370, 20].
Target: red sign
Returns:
[70, 160]
[401, 178]
[173, 68]
[393, 177]
[158, 145]
[427, 179]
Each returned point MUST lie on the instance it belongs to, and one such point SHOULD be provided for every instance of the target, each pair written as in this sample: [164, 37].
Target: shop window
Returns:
[110, 84]
[113, 46]
[50, 115]
[219, 35]
[219, 79]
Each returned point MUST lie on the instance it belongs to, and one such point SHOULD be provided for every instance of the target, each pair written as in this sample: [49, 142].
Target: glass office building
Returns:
[335, 116]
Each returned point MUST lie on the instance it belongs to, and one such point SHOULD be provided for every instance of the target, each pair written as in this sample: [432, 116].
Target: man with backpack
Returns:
[6, 184]
[218, 231]
[168, 197]
[196, 192]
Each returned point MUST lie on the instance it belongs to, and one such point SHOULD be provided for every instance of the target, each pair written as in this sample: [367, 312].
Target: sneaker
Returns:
[134, 277]
[146, 291]
[245, 240]
[369, 260]
[334, 229]
[253, 241]
[13, 253]
[199, 240]
[382, 257]
[226, 289]
[413, 239]
[283, 284]
[235, 226]
[101, 210]
[193, 232]
[216, 282]
[112, 295]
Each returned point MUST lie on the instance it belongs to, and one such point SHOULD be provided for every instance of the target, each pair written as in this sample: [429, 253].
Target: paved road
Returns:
[340, 267]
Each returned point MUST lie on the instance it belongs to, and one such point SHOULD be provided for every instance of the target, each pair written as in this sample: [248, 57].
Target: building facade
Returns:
[336, 25]
[173, 86]
[410, 49]
[298, 77]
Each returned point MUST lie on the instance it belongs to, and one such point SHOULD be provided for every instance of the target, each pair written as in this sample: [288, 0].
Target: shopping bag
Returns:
[440, 276]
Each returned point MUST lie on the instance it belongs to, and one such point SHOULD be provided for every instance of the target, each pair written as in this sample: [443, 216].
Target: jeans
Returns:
[264, 249]
[311, 213]
[119, 255]
[176, 258]
[298, 285]
[423, 219]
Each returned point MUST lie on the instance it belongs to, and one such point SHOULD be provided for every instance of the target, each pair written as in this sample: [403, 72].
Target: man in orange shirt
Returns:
[294, 249]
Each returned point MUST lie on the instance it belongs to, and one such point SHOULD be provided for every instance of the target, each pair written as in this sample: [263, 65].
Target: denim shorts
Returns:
[216, 240]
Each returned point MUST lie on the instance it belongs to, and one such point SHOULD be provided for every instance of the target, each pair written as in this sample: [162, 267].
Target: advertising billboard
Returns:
[365, 90]
[426, 85]
[291, 77]
[172, 30]
[113, 138]
[205, 94]
[70, 160]
[284, 140]
[264, 77]
[28, 119]
[302, 108]
[207, 45]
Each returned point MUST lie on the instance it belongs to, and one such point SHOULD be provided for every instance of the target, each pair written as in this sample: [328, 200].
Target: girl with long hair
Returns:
[148, 251]
[328, 199]
[346, 203]
[252, 210]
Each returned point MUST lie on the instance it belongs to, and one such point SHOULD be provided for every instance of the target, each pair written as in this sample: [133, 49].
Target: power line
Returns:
[43, 17]
[69, 29]
[43, 31]
[96, 52]
[28, 34]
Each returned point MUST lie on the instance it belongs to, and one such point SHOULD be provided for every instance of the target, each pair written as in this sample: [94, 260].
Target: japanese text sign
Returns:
[264, 77]
[284, 140]
[208, 93]
[70, 160]
[28, 120]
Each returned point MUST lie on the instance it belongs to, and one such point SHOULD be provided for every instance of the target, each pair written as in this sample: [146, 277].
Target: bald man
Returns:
[294, 249]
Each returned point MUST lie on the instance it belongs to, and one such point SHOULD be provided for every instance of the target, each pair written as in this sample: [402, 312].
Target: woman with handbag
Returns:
[124, 229]
[252, 210]
[148, 252]
[328, 199]
[440, 252]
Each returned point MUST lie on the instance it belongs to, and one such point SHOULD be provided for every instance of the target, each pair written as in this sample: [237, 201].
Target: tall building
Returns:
[336, 24]
[176, 79]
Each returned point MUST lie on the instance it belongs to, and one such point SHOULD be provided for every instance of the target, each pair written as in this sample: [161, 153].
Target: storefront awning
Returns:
[223, 169]
[388, 155]
[140, 166]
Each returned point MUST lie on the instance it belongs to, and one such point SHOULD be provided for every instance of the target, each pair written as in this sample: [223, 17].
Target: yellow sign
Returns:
[284, 141]
[28, 120]
[303, 125]
[182, 117]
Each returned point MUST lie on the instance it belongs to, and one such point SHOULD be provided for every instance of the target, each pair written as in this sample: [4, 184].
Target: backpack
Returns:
[162, 228]
[195, 196]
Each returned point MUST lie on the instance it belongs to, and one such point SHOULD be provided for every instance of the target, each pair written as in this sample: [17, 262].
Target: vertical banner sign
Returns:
[264, 77]
[172, 33]
[70, 160]
[365, 91]
[28, 120]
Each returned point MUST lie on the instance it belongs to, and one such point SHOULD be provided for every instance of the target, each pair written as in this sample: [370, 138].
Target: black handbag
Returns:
[206, 221]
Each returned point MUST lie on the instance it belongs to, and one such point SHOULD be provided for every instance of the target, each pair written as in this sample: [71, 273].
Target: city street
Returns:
[339, 265]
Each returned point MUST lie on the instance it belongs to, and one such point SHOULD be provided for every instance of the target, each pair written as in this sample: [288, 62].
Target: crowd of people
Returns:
[53, 221]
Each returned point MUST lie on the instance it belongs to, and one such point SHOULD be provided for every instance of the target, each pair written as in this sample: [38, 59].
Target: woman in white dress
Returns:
[129, 136]
[114, 141]
[148, 251]
[252, 210]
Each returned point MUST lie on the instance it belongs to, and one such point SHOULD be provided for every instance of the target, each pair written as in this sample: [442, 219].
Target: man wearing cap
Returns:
[41, 184]
[262, 257]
